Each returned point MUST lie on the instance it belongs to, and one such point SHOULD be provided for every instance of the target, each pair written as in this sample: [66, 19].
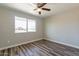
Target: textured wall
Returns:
[63, 27]
[7, 27]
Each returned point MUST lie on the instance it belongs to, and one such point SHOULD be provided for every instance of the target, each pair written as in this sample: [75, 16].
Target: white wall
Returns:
[63, 27]
[7, 28]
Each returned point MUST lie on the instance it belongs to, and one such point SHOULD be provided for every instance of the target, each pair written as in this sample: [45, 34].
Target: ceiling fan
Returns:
[40, 7]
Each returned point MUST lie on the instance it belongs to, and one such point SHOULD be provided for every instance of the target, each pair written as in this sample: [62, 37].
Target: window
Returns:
[31, 25]
[23, 25]
[20, 24]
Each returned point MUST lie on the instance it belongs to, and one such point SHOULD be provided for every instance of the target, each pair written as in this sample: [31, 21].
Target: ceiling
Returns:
[28, 8]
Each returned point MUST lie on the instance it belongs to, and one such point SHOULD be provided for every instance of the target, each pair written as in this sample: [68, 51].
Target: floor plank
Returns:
[40, 48]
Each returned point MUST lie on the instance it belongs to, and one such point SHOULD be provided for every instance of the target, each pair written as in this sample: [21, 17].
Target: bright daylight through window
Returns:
[31, 25]
[23, 25]
[20, 24]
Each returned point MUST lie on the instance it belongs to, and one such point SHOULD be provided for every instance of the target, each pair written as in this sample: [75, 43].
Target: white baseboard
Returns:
[20, 44]
[40, 39]
[63, 43]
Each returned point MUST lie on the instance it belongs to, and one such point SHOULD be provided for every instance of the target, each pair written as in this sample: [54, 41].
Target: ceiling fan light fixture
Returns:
[39, 9]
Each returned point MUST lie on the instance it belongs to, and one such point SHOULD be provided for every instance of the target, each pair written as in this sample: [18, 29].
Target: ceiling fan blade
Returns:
[46, 9]
[39, 5]
[39, 12]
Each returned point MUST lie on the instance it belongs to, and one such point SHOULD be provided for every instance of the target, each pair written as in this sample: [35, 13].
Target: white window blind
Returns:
[20, 24]
[31, 25]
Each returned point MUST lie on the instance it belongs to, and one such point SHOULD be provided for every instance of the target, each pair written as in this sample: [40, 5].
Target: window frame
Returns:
[35, 25]
[20, 20]
[26, 30]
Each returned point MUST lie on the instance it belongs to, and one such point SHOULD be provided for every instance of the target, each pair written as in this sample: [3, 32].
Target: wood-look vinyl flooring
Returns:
[40, 48]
